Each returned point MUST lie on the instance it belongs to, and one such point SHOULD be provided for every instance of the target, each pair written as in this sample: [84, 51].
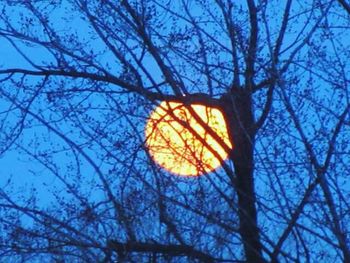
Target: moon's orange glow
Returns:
[179, 150]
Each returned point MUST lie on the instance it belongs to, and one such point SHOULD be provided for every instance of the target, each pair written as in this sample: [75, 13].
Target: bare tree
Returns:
[89, 73]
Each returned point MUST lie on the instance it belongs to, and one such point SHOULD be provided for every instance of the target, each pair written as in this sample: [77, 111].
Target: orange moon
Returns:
[177, 149]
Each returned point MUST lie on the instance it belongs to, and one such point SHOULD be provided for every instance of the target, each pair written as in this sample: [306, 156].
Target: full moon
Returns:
[176, 148]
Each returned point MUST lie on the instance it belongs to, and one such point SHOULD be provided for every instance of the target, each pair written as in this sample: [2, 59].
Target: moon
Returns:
[175, 139]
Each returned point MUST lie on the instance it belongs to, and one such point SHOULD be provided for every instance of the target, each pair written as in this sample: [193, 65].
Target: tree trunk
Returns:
[240, 120]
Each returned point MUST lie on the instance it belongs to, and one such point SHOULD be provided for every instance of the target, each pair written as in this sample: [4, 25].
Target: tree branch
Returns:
[152, 96]
[269, 99]
[250, 59]
[170, 250]
[345, 5]
[152, 48]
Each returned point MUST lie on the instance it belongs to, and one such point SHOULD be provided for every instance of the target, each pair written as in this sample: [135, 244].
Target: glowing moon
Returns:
[176, 148]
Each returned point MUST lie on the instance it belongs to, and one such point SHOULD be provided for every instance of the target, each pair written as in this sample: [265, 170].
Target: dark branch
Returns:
[345, 5]
[251, 56]
[140, 28]
[152, 96]
[260, 122]
[169, 250]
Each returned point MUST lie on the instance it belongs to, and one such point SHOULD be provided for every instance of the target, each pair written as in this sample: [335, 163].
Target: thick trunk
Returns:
[243, 163]
[240, 121]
